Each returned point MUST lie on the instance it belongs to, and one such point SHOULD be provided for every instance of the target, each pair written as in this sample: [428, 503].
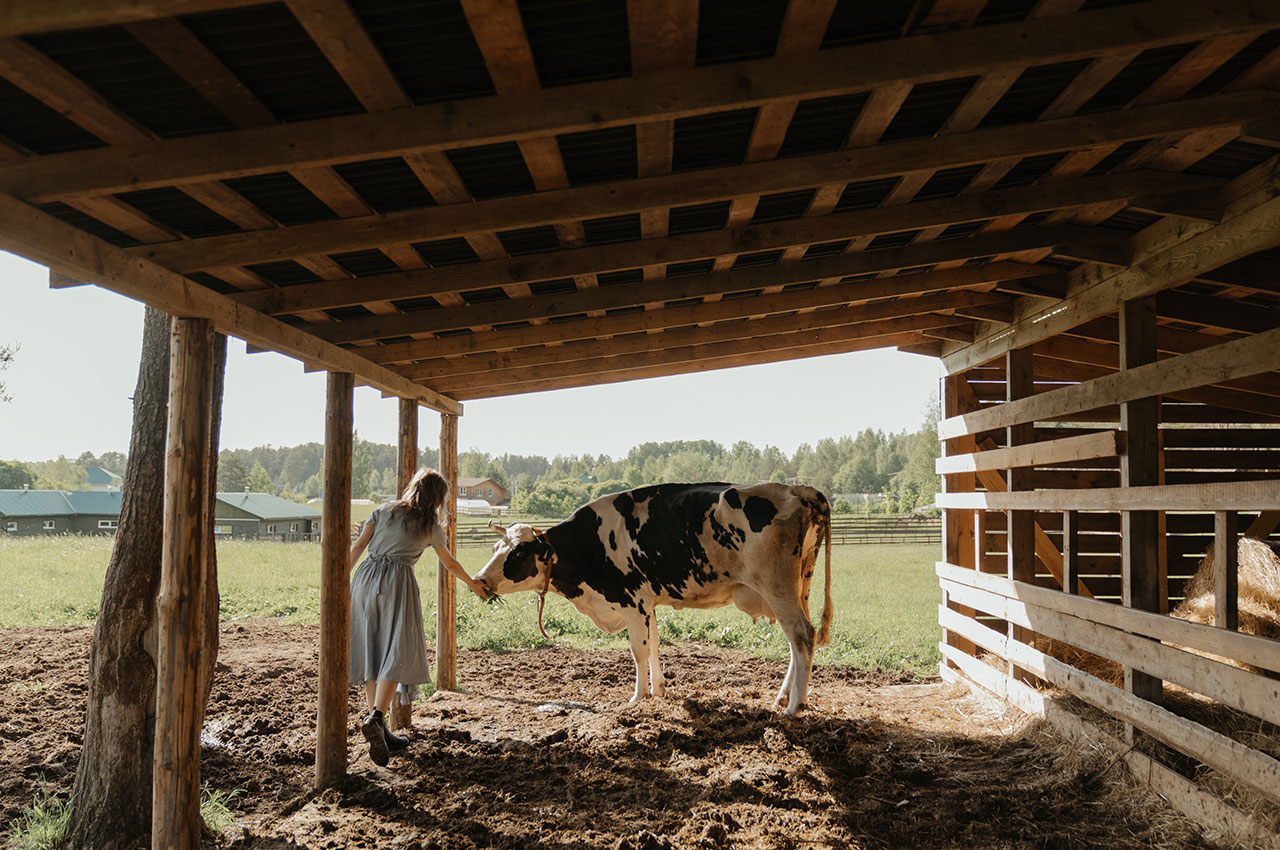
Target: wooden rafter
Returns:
[43, 239]
[301, 240]
[668, 95]
[611, 298]
[562, 264]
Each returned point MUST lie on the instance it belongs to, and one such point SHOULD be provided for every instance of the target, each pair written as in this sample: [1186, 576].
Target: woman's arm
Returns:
[357, 548]
[451, 564]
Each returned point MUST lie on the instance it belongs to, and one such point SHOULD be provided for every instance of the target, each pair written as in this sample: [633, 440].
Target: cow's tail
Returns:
[828, 610]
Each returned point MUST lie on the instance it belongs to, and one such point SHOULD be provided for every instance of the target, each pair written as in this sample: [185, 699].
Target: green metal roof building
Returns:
[243, 515]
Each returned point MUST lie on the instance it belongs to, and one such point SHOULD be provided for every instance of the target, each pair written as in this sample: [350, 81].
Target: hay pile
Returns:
[1259, 585]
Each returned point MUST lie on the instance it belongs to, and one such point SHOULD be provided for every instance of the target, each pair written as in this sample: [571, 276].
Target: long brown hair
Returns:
[421, 501]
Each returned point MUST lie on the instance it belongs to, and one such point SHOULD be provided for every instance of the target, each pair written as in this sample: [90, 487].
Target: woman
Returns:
[388, 650]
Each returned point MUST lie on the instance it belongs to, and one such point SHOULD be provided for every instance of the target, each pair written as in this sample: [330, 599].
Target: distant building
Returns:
[483, 488]
[102, 480]
[264, 515]
[244, 515]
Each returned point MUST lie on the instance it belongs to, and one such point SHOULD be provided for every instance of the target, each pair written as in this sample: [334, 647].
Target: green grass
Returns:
[42, 825]
[885, 600]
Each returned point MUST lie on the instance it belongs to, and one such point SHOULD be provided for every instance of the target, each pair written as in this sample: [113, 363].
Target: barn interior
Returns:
[1072, 203]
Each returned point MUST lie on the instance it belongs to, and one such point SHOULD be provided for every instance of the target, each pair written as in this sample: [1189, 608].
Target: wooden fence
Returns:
[845, 530]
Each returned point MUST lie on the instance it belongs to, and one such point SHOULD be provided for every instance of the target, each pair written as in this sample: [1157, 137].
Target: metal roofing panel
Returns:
[386, 185]
[34, 503]
[737, 30]
[1144, 70]
[37, 127]
[492, 171]
[860, 22]
[282, 197]
[599, 156]
[116, 65]
[821, 125]
[269, 51]
[88, 224]
[177, 210]
[709, 141]
[267, 506]
[577, 41]
[95, 503]
[429, 47]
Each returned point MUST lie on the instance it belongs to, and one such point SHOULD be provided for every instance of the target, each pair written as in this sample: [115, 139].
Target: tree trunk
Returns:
[209, 634]
[113, 781]
[112, 791]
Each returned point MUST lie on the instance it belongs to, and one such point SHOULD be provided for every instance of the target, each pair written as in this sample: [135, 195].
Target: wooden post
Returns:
[446, 586]
[1071, 552]
[1020, 540]
[335, 597]
[1139, 466]
[958, 527]
[1226, 592]
[401, 716]
[175, 813]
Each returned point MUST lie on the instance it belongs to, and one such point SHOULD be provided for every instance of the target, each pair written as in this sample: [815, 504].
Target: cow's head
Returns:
[521, 559]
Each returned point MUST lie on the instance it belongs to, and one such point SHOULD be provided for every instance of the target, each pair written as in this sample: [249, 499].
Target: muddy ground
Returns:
[541, 750]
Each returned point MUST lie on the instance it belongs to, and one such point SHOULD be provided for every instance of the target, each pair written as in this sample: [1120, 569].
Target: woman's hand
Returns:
[477, 588]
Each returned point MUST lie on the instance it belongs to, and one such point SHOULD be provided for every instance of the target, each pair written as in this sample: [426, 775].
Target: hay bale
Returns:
[1258, 577]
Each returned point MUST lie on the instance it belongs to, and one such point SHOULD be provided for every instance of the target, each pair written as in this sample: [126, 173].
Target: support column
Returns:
[175, 813]
[1139, 467]
[958, 527]
[401, 716]
[446, 585]
[1020, 541]
[1226, 585]
[335, 598]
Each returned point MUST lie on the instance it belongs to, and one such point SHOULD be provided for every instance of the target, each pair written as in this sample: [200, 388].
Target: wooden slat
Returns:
[1234, 759]
[1102, 444]
[531, 210]
[1234, 496]
[1240, 358]
[562, 264]
[374, 327]
[624, 102]
[43, 239]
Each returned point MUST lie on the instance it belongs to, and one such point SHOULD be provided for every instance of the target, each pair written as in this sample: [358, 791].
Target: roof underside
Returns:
[490, 197]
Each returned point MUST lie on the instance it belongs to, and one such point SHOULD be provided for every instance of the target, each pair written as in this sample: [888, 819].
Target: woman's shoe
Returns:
[375, 733]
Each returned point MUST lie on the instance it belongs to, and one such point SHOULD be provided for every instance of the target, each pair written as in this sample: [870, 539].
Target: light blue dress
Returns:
[387, 640]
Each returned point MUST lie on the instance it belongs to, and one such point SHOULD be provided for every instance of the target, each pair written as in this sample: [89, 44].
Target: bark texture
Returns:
[112, 792]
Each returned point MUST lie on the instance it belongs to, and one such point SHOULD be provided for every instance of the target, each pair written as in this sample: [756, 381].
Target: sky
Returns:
[77, 364]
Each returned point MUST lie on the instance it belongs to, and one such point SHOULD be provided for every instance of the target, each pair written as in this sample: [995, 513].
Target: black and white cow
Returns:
[687, 546]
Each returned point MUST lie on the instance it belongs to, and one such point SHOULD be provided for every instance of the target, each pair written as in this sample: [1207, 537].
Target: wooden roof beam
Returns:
[561, 264]
[610, 298]
[23, 17]
[1252, 224]
[433, 370]
[695, 360]
[658, 320]
[43, 239]
[714, 184]
[622, 102]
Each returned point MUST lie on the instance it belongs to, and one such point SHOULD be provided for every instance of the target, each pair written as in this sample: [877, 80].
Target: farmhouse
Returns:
[247, 515]
[102, 480]
[1075, 206]
[483, 488]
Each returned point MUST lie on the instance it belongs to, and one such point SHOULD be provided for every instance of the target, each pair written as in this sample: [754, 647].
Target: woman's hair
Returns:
[419, 505]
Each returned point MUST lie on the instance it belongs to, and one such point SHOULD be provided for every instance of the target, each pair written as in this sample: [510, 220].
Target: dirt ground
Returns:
[542, 751]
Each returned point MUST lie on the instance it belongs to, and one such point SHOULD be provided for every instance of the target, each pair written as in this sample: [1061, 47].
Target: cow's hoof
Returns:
[659, 692]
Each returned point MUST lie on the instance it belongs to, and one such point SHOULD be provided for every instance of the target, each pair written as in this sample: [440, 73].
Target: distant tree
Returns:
[260, 480]
[6, 357]
[361, 468]
[15, 475]
[60, 474]
[300, 463]
[233, 475]
[842, 506]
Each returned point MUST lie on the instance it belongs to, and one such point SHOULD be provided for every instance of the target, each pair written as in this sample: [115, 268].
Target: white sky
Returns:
[78, 364]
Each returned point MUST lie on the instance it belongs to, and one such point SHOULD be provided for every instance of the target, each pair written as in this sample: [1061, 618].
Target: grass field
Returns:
[885, 600]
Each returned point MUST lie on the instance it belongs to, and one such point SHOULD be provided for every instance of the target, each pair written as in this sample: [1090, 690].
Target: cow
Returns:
[687, 546]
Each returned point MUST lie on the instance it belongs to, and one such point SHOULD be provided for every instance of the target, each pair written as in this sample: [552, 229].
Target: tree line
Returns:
[894, 469]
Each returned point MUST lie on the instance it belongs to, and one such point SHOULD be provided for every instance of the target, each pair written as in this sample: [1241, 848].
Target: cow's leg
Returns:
[784, 693]
[800, 636]
[638, 633]
[657, 686]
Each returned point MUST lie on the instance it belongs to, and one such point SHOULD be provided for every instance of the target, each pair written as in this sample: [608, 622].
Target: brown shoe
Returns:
[375, 733]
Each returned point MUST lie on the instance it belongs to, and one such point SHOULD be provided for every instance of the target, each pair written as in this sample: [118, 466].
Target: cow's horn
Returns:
[498, 528]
